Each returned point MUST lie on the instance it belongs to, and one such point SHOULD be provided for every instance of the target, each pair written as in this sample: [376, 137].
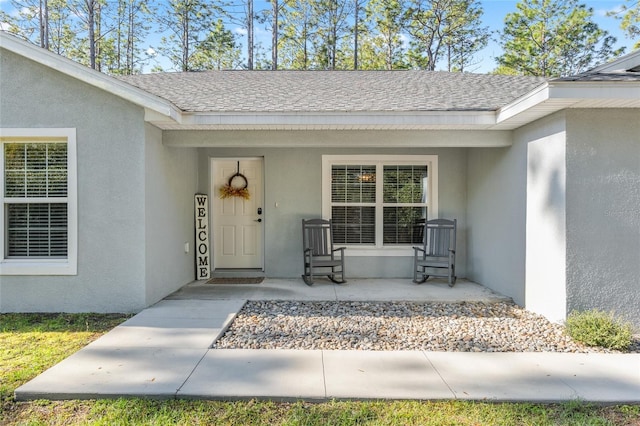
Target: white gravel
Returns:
[461, 327]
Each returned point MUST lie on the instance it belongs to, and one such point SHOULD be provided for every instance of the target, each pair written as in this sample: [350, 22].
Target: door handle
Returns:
[258, 220]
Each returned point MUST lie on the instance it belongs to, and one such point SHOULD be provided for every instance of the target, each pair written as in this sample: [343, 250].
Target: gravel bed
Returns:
[460, 327]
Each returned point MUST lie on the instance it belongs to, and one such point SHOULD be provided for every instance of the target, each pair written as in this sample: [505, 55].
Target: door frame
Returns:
[213, 196]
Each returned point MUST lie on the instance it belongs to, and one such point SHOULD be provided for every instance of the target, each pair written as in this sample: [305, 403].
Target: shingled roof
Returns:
[625, 68]
[334, 91]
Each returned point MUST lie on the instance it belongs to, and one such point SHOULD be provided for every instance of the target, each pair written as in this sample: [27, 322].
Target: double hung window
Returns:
[38, 203]
[379, 201]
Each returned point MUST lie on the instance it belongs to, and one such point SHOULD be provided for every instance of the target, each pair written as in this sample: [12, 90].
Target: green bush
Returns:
[598, 328]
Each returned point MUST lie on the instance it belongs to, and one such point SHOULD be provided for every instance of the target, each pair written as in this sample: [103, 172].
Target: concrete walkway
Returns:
[164, 352]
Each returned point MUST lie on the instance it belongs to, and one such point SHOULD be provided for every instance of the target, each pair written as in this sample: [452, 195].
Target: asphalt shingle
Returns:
[603, 76]
[334, 91]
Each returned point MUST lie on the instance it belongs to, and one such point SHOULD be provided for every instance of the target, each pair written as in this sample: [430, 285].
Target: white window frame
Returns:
[431, 161]
[44, 266]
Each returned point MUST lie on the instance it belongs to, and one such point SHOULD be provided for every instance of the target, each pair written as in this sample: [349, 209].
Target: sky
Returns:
[494, 14]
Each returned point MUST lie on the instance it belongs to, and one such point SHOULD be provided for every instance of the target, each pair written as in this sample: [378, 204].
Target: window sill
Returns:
[358, 251]
[37, 267]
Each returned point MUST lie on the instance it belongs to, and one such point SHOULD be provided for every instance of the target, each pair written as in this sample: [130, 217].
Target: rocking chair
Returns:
[320, 258]
[437, 256]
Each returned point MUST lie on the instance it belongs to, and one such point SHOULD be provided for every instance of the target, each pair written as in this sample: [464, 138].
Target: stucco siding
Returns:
[603, 211]
[496, 204]
[110, 158]
[546, 264]
[171, 180]
[516, 215]
[293, 181]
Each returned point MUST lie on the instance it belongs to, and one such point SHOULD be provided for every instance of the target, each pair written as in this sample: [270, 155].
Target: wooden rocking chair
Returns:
[437, 256]
[320, 258]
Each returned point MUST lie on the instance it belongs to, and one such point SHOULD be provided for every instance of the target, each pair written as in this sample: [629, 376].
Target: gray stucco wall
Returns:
[516, 217]
[293, 180]
[496, 206]
[171, 180]
[603, 211]
[546, 265]
[111, 217]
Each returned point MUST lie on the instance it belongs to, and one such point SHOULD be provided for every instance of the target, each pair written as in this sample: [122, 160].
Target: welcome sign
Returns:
[203, 269]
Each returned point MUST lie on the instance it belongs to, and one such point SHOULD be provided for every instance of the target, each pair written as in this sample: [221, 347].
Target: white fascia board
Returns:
[594, 90]
[89, 76]
[154, 116]
[320, 119]
[537, 96]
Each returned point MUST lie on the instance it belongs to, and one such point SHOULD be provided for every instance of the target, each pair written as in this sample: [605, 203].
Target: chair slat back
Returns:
[440, 237]
[317, 235]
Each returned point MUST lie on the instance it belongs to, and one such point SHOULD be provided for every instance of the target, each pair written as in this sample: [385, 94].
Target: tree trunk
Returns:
[92, 34]
[274, 35]
[130, 40]
[43, 16]
[98, 35]
[250, 34]
[185, 43]
[355, 34]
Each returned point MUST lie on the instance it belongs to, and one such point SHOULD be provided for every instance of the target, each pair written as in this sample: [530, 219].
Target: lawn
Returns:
[30, 343]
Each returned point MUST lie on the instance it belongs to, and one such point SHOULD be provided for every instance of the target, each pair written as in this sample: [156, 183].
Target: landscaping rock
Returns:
[461, 327]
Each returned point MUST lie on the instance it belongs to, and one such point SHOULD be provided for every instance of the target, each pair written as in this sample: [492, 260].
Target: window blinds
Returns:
[35, 199]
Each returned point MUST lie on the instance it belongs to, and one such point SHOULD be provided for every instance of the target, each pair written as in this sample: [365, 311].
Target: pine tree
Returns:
[551, 38]
[299, 27]
[436, 25]
[384, 47]
[220, 50]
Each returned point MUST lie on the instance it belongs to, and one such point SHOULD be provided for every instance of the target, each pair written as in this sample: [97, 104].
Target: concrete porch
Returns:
[356, 289]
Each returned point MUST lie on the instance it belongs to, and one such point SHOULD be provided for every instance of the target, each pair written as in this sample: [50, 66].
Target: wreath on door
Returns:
[232, 189]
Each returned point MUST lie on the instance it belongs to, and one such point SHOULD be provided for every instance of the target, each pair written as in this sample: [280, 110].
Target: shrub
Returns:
[598, 328]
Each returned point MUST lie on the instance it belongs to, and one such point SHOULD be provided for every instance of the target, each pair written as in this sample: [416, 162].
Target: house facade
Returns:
[100, 176]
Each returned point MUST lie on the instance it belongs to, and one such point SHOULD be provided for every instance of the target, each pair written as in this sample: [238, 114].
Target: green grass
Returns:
[30, 343]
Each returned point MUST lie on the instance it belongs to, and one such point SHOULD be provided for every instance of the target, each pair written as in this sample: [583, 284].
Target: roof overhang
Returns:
[558, 95]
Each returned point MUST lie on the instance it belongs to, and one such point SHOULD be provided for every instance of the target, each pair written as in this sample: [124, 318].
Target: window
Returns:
[376, 202]
[38, 212]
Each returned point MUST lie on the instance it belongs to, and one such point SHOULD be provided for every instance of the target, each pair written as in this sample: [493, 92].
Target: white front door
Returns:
[237, 223]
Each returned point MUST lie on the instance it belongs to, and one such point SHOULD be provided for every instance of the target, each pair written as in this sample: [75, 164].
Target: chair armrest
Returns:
[340, 249]
[307, 253]
[419, 248]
